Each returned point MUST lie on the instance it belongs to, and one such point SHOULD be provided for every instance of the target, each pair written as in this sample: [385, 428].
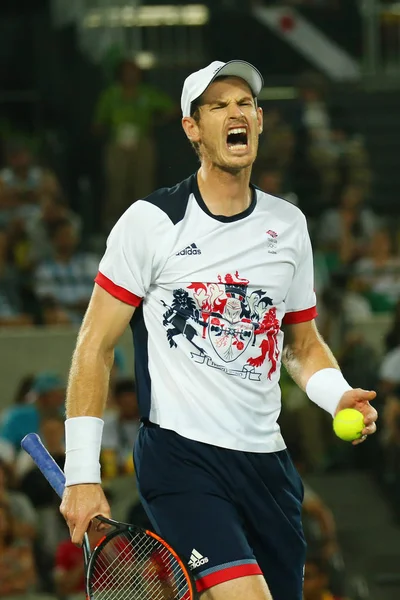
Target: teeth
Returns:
[238, 130]
[238, 147]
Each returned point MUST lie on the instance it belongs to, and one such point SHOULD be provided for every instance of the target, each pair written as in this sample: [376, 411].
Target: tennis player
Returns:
[215, 278]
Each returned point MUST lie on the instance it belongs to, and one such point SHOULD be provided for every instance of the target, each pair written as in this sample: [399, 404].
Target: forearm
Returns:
[303, 360]
[88, 380]
[311, 364]
[86, 398]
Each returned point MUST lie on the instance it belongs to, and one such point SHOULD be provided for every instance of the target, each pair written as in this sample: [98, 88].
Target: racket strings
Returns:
[136, 566]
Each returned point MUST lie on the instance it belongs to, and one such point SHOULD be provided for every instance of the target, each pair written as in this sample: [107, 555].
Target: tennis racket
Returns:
[128, 563]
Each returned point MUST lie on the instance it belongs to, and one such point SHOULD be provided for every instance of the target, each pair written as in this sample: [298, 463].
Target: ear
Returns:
[260, 119]
[191, 129]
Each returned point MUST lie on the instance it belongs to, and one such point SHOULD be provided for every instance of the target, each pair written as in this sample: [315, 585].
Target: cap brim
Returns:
[244, 70]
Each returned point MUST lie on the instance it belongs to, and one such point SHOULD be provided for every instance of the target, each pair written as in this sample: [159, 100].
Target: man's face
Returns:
[229, 125]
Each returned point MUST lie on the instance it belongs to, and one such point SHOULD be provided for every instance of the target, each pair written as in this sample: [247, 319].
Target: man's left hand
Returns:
[360, 400]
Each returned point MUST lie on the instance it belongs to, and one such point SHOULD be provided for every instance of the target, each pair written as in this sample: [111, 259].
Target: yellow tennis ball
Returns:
[348, 424]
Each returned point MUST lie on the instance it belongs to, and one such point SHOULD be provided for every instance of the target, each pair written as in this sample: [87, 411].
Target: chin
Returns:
[238, 163]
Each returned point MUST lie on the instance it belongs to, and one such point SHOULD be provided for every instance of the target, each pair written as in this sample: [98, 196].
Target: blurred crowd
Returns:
[310, 155]
[36, 555]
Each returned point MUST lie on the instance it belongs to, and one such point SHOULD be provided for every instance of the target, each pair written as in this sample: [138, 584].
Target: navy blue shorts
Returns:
[228, 513]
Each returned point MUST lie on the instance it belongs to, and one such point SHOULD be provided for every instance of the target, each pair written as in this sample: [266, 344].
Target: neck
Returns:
[224, 193]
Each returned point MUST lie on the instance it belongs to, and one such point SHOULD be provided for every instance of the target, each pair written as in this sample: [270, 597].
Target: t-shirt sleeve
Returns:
[300, 300]
[129, 265]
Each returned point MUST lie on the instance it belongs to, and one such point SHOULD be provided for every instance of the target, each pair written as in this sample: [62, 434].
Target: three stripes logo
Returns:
[197, 559]
[189, 250]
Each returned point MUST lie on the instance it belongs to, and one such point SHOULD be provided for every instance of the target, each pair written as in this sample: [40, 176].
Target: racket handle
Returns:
[32, 444]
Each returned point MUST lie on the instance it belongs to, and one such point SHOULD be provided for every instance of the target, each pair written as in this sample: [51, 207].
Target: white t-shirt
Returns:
[390, 367]
[213, 292]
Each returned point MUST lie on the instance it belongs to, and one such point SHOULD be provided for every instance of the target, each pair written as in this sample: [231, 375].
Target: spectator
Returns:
[23, 512]
[271, 180]
[125, 114]
[23, 395]
[18, 421]
[358, 360]
[345, 232]
[69, 574]
[387, 464]
[24, 390]
[17, 568]
[12, 311]
[31, 480]
[120, 428]
[326, 149]
[7, 452]
[117, 372]
[23, 184]
[392, 339]
[377, 275]
[64, 283]
[39, 492]
[277, 142]
[40, 226]
[389, 373]
[319, 523]
[316, 580]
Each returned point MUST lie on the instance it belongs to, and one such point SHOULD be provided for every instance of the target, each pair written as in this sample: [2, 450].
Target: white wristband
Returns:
[326, 387]
[82, 450]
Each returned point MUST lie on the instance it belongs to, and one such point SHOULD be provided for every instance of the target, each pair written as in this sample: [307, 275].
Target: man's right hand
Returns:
[80, 504]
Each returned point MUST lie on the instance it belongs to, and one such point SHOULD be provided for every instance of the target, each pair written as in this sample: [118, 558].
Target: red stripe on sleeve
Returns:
[205, 583]
[300, 316]
[117, 291]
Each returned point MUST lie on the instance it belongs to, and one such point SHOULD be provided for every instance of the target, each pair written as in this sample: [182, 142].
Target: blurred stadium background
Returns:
[89, 121]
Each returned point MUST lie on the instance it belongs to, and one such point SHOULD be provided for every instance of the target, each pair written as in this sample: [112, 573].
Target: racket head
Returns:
[131, 563]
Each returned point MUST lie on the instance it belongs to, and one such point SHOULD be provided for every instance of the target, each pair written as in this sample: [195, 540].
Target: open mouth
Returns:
[237, 138]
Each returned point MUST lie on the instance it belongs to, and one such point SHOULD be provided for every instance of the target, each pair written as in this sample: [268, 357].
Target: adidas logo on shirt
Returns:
[189, 250]
[197, 559]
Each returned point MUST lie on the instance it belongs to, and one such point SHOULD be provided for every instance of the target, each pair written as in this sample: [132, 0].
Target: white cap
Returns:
[196, 83]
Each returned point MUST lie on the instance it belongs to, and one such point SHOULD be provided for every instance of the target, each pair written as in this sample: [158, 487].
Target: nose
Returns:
[234, 110]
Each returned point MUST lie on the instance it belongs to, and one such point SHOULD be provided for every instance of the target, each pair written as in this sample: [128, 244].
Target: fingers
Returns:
[370, 416]
[370, 429]
[365, 395]
[360, 441]
[79, 531]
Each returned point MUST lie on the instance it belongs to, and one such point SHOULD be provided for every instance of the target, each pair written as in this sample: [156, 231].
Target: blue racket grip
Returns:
[32, 444]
